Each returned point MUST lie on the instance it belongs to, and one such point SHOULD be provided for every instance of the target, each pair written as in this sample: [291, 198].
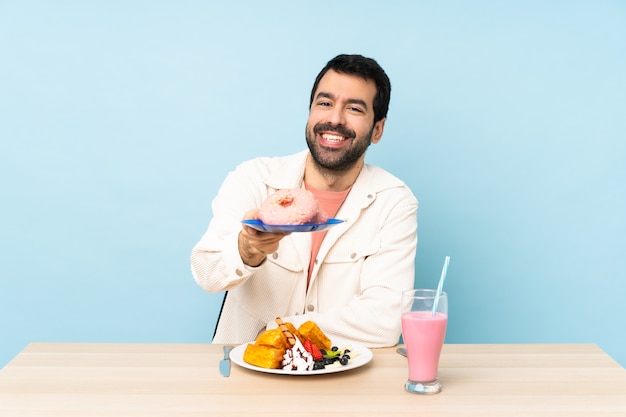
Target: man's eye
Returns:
[323, 103]
[356, 109]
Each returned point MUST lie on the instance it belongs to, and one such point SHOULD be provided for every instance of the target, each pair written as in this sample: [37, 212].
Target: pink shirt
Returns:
[329, 202]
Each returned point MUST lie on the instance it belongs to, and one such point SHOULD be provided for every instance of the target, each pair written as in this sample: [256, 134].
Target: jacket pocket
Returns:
[339, 278]
[351, 249]
[286, 259]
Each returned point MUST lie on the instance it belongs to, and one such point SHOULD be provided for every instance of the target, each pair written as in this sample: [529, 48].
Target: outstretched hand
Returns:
[255, 245]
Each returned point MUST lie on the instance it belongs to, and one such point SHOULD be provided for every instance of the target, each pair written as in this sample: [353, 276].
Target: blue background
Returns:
[119, 121]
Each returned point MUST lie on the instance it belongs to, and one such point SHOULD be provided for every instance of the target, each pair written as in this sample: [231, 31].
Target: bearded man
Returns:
[349, 278]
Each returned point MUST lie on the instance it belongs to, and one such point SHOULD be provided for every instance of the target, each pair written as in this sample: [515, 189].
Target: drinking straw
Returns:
[444, 271]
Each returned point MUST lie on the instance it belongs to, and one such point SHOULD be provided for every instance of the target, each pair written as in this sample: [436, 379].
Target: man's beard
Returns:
[333, 159]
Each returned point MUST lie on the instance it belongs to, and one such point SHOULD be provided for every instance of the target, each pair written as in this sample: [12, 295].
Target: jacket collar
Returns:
[288, 172]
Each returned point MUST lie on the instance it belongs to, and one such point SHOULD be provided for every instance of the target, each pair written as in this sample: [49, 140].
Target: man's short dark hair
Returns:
[366, 68]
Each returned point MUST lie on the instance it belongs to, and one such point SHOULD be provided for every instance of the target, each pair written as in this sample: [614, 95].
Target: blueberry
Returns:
[346, 351]
[344, 360]
[335, 349]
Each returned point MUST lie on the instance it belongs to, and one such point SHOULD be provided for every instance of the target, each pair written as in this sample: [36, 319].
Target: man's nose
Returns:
[336, 116]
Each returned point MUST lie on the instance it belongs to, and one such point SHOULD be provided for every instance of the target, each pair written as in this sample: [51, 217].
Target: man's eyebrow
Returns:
[322, 94]
[358, 101]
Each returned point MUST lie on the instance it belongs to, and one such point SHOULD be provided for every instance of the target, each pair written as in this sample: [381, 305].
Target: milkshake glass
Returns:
[423, 335]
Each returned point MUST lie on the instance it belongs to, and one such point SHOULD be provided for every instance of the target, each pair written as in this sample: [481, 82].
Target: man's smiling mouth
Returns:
[331, 134]
[329, 137]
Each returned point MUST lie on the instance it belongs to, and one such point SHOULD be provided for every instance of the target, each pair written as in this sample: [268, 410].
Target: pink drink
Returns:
[423, 336]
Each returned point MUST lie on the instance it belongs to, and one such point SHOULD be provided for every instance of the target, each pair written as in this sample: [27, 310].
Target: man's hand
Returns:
[254, 245]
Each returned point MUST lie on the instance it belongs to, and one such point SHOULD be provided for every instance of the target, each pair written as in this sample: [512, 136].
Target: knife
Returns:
[225, 363]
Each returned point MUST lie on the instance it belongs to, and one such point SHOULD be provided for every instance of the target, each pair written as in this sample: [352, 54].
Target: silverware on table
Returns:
[401, 351]
[225, 363]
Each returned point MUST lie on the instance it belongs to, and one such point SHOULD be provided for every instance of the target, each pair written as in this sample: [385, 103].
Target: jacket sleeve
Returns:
[215, 261]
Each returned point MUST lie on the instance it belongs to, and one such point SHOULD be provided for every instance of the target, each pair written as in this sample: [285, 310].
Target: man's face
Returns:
[341, 121]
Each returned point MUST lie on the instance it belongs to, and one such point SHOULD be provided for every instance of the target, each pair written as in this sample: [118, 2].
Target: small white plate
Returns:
[290, 228]
[362, 357]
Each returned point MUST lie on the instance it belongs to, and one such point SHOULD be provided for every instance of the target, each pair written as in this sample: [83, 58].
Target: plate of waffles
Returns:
[359, 356]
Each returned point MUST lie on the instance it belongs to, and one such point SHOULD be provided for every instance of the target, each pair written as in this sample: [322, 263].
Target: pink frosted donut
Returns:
[295, 206]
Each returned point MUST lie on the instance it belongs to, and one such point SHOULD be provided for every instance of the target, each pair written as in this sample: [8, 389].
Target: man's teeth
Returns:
[333, 138]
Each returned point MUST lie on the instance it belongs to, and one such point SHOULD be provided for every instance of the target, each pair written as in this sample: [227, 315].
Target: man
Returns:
[347, 279]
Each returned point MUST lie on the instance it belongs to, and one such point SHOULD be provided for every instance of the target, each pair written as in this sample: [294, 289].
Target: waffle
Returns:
[264, 356]
[309, 330]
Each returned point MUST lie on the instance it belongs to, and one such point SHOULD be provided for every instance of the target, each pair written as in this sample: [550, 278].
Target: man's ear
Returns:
[377, 132]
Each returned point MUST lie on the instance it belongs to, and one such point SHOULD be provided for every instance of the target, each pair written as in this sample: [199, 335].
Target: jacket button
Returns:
[274, 255]
[352, 255]
[239, 272]
[310, 307]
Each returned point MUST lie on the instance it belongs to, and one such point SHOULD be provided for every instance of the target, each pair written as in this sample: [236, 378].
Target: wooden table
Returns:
[57, 379]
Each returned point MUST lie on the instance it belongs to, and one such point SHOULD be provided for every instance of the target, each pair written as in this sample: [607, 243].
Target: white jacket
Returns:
[363, 265]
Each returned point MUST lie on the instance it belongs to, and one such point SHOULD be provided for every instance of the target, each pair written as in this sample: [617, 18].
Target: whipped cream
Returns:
[297, 359]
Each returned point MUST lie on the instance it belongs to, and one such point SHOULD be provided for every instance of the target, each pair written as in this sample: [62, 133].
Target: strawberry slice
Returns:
[313, 350]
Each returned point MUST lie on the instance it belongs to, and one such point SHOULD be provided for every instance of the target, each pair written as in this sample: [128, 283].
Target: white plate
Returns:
[290, 228]
[364, 356]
